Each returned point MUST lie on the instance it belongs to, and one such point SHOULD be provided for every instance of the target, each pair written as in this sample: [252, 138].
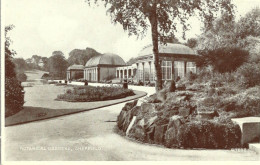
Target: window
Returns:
[140, 71]
[146, 71]
[166, 70]
[179, 69]
[191, 67]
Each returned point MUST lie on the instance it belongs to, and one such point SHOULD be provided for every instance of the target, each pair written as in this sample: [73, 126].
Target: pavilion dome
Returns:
[106, 59]
[76, 67]
[169, 48]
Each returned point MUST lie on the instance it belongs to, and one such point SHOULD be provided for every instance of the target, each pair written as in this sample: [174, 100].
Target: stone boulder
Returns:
[172, 131]
[149, 128]
[123, 120]
[148, 110]
[159, 131]
[184, 111]
[138, 131]
[125, 116]
[207, 115]
[128, 106]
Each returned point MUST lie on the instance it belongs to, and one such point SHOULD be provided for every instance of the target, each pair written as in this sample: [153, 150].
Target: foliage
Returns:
[192, 43]
[80, 57]
[45, 76]
[243, 104]
[20, 65]
[208, 134]
[224, 59]
[250, 74]
[57, 65]
[14, 98]
[249, 25]
[162, 17]
[21, 77]
[90, 93]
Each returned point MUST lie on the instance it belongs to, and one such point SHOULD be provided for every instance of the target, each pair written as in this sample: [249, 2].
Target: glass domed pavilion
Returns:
[176, 61]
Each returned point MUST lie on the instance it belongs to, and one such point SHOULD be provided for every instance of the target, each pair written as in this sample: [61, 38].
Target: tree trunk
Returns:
[154, 28]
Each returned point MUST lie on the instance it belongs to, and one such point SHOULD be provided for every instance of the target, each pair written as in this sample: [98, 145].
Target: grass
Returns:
[40, 104]
[90, 93]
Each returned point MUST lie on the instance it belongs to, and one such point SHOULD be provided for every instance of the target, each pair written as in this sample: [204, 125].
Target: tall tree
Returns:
[14, 98]
[162, 16]
[57, 65]
[78, 56]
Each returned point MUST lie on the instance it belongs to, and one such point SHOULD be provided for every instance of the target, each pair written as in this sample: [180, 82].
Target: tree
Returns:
[45, 63]
[224, 59]
[20, 65]
[136, 16]
[249, 25]
[57, 65]
[14, 98]
[192, 43]
[78, 56]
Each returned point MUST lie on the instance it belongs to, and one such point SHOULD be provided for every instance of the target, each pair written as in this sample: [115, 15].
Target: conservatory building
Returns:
[176, 61]
[102, 67]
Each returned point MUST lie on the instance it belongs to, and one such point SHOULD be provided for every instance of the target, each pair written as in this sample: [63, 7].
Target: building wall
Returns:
[91, 74]
[107, 72]
[171, 69]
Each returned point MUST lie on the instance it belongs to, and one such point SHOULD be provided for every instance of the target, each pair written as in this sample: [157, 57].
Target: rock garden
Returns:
[195, 112]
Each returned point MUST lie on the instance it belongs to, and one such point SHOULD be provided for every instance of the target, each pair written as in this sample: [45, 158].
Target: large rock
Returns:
[185, 112]
[138, 131]
[128, 106]
[125, 116]
[159, 133]
[148, 110]
[172, 131]
[123, 120]
[150, 128]
[207, 115]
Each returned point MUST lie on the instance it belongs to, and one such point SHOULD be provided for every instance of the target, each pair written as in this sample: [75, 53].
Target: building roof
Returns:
[169, 48]
[76, 67]
[106, 59]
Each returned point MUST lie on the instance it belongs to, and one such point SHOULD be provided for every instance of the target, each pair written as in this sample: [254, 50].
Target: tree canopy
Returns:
[79, 56]
[57, 65]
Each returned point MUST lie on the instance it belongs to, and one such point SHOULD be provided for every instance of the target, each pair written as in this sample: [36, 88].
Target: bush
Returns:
[243, 104]
[90, 93]
[45, 76]
[208, 134]
[250, 74]
[21, 77]
[224, 59]
[14, 97]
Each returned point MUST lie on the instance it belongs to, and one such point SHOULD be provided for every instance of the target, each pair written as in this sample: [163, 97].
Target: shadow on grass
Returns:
[31, 114]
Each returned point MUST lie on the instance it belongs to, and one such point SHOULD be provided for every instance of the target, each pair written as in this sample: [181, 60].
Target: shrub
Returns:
[14, 98]
[90, 93]
[250, 74]
[224, 59]
[21, 77]
[243, 104]
[45, 76]
[209, 134]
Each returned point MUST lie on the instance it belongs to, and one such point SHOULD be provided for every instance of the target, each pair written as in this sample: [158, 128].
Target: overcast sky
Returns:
[43, 26]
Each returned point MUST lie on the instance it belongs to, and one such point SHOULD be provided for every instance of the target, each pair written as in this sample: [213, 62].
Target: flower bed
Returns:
[90, 93]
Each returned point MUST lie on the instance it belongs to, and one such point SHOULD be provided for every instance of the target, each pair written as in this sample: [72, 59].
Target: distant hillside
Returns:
[81, 56]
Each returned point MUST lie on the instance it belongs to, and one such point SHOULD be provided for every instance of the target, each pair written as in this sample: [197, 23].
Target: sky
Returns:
[44, 26]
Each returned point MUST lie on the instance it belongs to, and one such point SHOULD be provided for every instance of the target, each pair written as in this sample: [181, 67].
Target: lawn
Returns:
[40, 104]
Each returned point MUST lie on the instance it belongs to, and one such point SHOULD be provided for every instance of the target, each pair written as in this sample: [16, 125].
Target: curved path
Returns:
[90, 136]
